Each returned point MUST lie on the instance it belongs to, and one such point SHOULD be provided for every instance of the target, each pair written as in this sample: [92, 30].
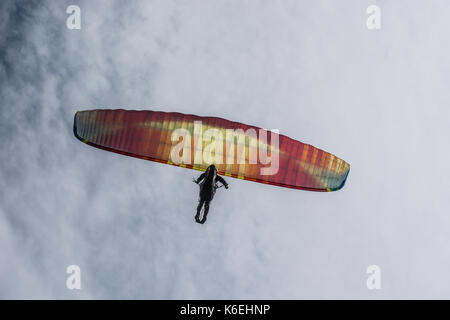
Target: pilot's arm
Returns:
[222, 181]
[202, 176]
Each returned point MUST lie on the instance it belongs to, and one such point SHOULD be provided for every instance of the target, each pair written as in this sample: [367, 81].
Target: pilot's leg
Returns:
[199, 208]
[205, 213]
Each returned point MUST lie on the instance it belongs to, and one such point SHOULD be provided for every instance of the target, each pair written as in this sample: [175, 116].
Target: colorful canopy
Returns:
[238, 150]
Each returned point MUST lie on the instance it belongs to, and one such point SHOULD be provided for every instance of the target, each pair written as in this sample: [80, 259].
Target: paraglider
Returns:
[237, 150]
[208, 185]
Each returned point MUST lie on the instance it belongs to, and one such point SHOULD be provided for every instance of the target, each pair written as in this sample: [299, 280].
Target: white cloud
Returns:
[378, 99]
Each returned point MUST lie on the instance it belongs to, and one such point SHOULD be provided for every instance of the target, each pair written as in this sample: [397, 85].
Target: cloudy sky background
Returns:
[312, 69]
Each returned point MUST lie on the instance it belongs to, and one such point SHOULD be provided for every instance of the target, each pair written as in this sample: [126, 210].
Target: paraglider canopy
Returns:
[236, 149]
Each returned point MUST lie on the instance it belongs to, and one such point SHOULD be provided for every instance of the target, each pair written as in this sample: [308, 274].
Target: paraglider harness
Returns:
[215, 187]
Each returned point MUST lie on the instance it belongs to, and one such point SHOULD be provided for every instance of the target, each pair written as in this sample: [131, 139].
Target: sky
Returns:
[379, 99]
